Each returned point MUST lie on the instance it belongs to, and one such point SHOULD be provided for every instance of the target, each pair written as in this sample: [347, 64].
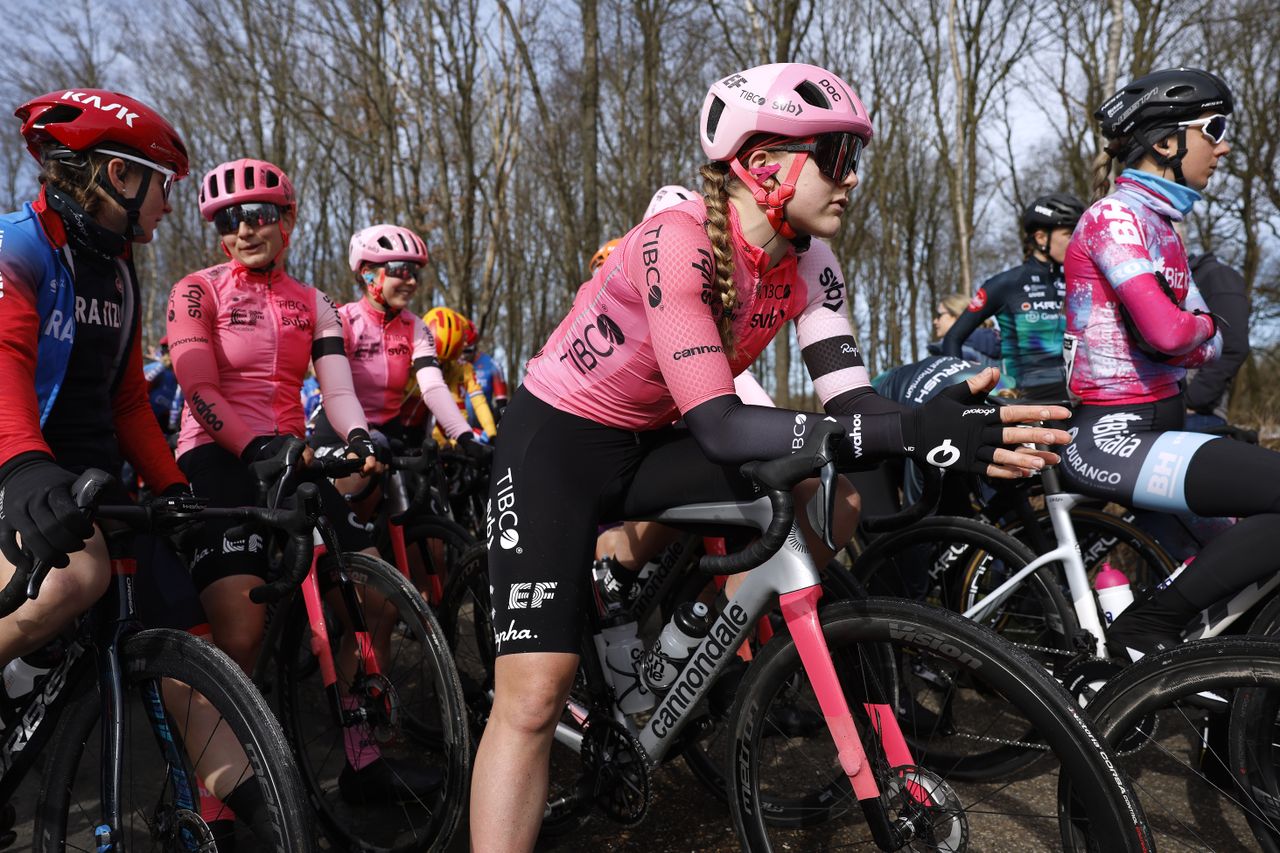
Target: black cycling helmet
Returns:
[1055, 210]
[1149, 109]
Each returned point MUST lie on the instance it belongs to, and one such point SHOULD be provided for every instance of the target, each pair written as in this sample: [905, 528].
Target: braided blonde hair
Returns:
[1105, 164]
[715, 191]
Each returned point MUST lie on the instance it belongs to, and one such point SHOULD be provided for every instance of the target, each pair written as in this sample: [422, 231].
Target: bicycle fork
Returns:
[800, 610]
[321, 645]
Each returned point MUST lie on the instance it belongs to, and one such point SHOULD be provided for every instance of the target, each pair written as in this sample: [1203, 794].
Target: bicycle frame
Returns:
[37, 719]
[791, 576]
[324, 541]
[1059, 505]
[1211, 623]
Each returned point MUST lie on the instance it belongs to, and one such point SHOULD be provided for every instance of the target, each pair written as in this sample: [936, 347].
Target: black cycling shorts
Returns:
[556, 478]
[220, 477]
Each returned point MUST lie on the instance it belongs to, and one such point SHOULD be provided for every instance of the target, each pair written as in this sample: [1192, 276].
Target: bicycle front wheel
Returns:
[948, 682]
[1194, 728]
[410, 712]
[190, 714]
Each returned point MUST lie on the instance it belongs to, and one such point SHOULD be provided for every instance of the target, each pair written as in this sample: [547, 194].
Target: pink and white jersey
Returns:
[241, 340]
[640, 348]
[383, 351]
[1120, 246]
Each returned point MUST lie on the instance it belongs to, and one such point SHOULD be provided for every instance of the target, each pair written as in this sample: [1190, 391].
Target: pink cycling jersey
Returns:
[240, 342]
[639, 348]
[1120, 246]
[383, 351]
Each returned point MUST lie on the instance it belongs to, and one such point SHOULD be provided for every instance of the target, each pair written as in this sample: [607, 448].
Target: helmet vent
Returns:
[60, 114]
[273, 180]
[713, 118]
[385, 243]
[229, 181]
[1179, 91]
[811, 94]
[250, 179]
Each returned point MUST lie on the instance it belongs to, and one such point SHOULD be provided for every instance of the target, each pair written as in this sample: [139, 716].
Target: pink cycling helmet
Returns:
[786, 99]
[668, 196]
[384, 244]
[243, 181]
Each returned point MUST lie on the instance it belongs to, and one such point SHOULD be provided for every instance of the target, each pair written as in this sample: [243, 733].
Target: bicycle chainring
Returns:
[618, 770]
[1084, 676]
[925, 810]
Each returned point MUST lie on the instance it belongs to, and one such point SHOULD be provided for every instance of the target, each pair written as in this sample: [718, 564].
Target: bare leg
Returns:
[509, 780]
[64, 595]
[635, 543]
[236, 623]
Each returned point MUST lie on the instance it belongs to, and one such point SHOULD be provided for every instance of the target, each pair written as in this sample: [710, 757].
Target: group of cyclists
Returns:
[636, 401]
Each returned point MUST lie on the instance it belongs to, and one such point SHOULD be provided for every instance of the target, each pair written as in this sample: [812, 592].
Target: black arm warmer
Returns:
[731, 432]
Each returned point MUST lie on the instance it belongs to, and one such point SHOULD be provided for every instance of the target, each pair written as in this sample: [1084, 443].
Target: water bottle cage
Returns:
[654, 664]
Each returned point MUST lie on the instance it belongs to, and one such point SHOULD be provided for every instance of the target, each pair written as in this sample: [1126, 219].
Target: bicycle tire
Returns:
[1153, 711]
[441, 561]
[465, 615]
[1252, 736]
[857, 632]
[63, 817]
[423, 718]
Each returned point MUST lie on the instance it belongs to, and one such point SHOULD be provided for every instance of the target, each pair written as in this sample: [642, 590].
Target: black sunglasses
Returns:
[256, 214]
[835, 154]
[404, 270]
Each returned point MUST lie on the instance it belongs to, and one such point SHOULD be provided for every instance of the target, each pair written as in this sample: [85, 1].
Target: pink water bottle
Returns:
[1114, 595]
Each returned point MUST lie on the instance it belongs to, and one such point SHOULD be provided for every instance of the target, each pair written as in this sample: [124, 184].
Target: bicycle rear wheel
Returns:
[413, 709]
[789, 791]
[1201, 766]
[435, 546]
[956, 562]
[465, 615]
[214, 721]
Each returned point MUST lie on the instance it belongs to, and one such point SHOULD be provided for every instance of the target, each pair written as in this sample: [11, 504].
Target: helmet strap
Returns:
[1173, 161]
[373, 286]
[132, 206]
[773, 201]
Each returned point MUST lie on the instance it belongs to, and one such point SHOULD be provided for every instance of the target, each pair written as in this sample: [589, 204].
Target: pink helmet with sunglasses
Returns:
[785, 99]
[384, 244]
[242, 181]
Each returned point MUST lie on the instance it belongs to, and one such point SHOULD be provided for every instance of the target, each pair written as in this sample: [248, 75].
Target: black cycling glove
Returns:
[36, 504]
[956, 429]
[263, 447]
[362, 444]
[473, 448]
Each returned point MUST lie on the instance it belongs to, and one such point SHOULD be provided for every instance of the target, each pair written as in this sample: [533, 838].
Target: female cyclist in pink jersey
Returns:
[387, 344]
[1135, 323]
[688, 299]
[241, 335]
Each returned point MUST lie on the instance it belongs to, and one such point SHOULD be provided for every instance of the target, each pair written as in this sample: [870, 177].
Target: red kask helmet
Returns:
[84, 119]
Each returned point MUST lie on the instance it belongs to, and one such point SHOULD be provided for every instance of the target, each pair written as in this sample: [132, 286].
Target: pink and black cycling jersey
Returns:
[383, 351]
[1122, 247]
[240, 341]
[640, 348]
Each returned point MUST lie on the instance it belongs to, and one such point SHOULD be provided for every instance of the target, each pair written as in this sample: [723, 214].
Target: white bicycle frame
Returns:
[1211, 622]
